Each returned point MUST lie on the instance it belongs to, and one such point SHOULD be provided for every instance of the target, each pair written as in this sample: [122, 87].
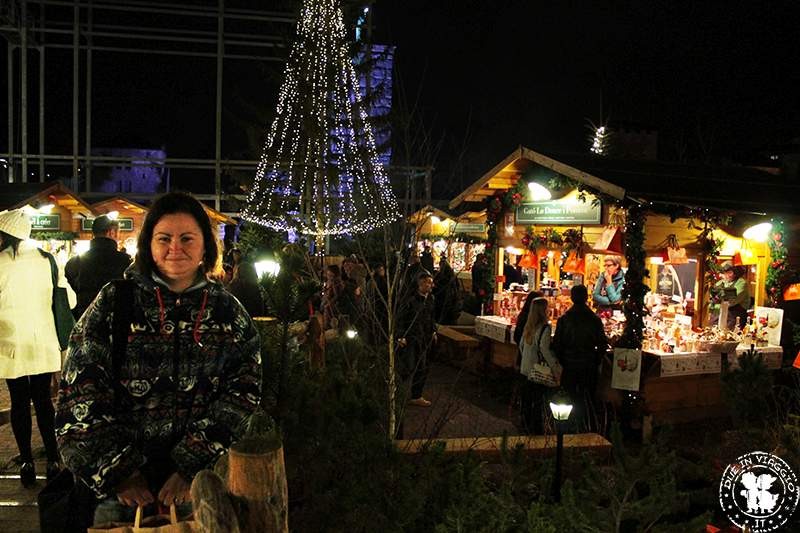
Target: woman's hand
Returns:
[175, 490]
[133, 491]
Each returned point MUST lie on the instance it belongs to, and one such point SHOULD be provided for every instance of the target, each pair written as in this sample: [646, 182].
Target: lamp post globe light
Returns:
[561, 407]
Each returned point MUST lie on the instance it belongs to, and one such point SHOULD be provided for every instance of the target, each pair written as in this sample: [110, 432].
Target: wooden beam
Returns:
[596, 183]
[472, 189]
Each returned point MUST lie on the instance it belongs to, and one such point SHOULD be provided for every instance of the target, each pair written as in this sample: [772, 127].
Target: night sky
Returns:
[504, 73]
[490, 76]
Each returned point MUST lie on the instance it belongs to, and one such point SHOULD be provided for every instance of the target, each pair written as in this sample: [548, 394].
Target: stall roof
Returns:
[16, 195]
[734, 188]
[118, 202]
[507, 172]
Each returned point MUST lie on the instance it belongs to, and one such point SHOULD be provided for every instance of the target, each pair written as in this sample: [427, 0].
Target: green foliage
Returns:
[637, 493]
[635, 289]
[54, 235]
[747, 390]
[778, 267]
[256, 241]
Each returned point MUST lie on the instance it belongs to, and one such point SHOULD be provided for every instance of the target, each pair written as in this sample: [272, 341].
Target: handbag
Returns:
[160, 523]
[61, 312]
[541, 373]
[66, 505]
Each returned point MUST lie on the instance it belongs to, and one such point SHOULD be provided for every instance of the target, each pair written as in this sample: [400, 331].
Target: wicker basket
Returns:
[729, 347]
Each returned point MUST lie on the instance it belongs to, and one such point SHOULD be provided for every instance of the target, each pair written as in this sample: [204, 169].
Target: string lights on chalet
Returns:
[319, 173]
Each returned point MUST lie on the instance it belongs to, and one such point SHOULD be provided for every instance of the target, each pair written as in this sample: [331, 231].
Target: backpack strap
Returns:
[121, 326]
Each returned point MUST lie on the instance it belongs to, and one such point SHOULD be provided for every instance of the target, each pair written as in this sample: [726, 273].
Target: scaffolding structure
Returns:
[178, 28]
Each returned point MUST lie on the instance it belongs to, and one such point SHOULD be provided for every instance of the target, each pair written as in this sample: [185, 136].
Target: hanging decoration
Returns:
[744, 256]
[543, 242]
[635, 289]
[710, 247]
[674, 253]
[319, 172]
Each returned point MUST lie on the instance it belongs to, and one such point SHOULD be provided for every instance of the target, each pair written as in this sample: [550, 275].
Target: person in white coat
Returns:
[535, 347]
[29, 349]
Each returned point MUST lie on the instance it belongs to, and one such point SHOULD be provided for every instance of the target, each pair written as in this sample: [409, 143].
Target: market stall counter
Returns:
[683, 387]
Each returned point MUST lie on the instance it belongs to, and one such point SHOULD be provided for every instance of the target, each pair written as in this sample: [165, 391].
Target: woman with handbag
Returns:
[148, 400]
[29, 346]
[538, 366]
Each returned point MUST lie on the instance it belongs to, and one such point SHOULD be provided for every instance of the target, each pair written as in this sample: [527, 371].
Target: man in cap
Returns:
[734, 289]
[89, 272]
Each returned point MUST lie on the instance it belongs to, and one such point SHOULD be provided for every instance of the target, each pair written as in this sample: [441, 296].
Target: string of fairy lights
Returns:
[319, 172]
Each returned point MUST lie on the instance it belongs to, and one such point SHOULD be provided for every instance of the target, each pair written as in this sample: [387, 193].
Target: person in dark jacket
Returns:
[426, 259]
[137, 430]
[416, 329]
[89, 272]
[244, 285]
[579, 343]
[447, 293]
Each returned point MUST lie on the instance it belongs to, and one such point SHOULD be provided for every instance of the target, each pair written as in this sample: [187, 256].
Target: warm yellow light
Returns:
[656, 260]
[267, 267]
[435, 219]
[81, 246]
[514, 251]
[758, 232]
[112, 215]
[46, 209]
[538, 192]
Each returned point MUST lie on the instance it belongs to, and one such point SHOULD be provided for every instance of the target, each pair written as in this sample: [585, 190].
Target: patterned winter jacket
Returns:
[190, 376]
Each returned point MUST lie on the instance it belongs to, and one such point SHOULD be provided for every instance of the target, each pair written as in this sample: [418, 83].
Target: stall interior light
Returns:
[81, 246]
[538, 192]
[267, 267]
[514, 251]
[758, 232]
[113, 215]
[435, 219]
[46, 209]
[655, 260]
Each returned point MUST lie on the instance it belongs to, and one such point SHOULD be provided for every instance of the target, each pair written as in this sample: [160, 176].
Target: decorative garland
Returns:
[455, 237]
[777, 268]
[710, 248]
[548, 239]
[54, 235]
[634, 290]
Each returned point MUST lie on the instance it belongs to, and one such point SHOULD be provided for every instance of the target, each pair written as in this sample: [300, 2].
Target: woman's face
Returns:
[610, 267]
[728, 275]
[330, 275]
[178, 247]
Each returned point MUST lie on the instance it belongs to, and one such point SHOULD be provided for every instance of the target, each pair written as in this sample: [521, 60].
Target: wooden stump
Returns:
[256, 473]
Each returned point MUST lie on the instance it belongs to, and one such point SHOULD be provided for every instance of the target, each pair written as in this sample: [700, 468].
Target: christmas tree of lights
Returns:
[319, 173]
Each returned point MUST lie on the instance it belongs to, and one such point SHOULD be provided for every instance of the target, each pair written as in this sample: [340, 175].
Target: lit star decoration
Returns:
[600, 141]
[320, 173]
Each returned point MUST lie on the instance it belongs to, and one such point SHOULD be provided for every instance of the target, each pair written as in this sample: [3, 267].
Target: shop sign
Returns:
[463, 227]
[559, 212]
[46, 222]
[125, 224]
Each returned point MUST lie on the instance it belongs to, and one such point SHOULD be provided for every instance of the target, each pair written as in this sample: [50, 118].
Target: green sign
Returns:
[571, 211]
[463, 227]
[46, 222]
[125, 224]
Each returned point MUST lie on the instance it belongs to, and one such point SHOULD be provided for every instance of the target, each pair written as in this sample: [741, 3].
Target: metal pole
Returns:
[559, 453]
[218, 144]
[41, 114]
[41, 42]
[23, 88]
[10, 113]
[76, 60]
[88, 150]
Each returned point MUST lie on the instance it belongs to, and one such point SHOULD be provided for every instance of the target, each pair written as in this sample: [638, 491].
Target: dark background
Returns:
[718, 80]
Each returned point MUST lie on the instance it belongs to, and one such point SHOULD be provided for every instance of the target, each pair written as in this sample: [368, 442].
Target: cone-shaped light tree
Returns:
[319, 173]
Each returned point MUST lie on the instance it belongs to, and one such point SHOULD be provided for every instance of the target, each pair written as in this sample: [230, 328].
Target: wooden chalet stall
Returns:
[56, 213]
[692, 219]
[459, 239]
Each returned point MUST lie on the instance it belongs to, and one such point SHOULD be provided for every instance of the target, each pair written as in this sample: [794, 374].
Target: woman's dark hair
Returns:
[170, 204]
[10, 240]
[335, 269]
